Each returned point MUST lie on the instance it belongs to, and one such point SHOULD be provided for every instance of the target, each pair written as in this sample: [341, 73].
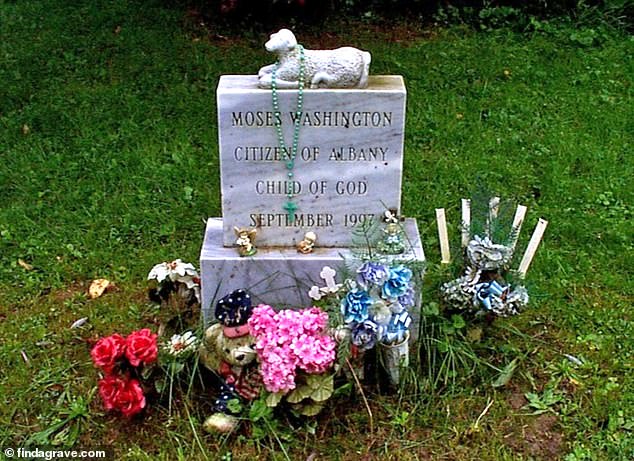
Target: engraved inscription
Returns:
[352, 119]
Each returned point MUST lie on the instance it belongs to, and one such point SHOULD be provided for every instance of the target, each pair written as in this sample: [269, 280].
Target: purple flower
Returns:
[371, 273]
[397, 284]
[354, 307]
[364, 335]
[407, 299]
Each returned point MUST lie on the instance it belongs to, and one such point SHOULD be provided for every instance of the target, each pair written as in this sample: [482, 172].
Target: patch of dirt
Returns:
[516, 400]
[540, 439]
[68, 292]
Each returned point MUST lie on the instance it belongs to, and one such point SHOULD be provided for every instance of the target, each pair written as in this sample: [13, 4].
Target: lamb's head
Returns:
[281, 42]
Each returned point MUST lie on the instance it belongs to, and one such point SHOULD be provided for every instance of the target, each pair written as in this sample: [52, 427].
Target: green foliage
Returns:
[447, 355]
[544, 402]
[65, 429]
[265, 15]
[506, 373]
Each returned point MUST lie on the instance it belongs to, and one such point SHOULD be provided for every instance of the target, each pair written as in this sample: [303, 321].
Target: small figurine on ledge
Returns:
[345, 67]
[246, 241]
[306, 246]
[392, 243]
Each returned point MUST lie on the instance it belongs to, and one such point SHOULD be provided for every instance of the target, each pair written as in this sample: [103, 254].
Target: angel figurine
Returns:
[306, 246]
[392, 243]
[246, 241]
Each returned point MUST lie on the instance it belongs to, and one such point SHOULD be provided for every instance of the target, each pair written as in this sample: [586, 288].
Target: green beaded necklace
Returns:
[289, 206]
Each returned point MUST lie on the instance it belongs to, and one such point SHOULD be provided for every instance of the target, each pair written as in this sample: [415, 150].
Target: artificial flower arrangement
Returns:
[374, 311]
[130, 366]
[175, 277]
[138, 365]
[483, 288]
[293, 352]
[258, 353]
[122, 361]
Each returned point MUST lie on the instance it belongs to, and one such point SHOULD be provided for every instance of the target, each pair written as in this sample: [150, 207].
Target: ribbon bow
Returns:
[490, 293]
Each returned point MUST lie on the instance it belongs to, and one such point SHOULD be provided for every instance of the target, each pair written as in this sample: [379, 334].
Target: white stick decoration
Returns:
[442, 236]
[466, 221]
[518, 220]
[494, 208]
[538, 233]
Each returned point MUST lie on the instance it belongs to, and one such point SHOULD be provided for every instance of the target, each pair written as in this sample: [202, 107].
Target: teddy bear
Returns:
[227, 350]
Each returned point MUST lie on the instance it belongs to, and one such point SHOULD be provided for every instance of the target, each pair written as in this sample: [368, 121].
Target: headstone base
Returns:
[280, 277]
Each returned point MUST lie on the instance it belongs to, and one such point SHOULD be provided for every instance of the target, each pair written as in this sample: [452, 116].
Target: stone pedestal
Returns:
[280, 277]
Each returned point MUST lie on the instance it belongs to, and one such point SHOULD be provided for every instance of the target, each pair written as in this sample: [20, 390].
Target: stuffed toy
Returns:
[227, 350]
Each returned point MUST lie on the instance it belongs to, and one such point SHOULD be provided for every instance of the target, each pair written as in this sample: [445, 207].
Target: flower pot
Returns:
[395, 356]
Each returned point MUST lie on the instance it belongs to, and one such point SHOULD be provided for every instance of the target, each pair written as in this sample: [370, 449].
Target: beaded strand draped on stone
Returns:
[289, 157]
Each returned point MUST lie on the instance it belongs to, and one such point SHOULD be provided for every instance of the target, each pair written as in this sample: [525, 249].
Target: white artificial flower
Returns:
[182, 344]
[176, 271]
[315, 293]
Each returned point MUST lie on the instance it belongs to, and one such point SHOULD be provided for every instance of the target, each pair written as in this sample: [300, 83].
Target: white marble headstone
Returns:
[348, 166]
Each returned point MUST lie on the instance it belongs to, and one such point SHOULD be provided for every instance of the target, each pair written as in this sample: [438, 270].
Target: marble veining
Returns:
[278, 276]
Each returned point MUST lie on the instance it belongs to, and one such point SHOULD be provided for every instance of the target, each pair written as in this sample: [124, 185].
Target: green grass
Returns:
[110, 164]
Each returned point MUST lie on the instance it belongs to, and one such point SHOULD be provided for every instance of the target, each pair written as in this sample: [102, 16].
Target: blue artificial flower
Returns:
[489, 293]
[397, 283]
[407, 299]
[397, 328]
[354, 307]
[364, 334]
[371, 273]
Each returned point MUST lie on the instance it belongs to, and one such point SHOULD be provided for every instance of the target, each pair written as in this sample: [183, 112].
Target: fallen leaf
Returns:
[97, 287]
[117, 30]
[24, 265]
[26, 129]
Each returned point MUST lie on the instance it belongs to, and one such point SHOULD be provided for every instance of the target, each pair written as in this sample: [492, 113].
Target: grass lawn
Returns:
[110, 165]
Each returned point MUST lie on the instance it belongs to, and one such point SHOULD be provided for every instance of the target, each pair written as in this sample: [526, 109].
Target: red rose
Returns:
[123, 395]
[107, 351]
[141, 347]
[131, 400]
[109, 389]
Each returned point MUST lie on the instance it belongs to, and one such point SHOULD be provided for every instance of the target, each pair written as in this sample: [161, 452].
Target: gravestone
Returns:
[348, 167]
[348, 170]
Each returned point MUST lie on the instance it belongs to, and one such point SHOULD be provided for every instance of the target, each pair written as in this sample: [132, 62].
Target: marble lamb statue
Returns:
[345, 67]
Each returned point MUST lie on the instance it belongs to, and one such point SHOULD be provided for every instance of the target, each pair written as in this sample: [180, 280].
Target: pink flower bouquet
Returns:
[288, 341]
